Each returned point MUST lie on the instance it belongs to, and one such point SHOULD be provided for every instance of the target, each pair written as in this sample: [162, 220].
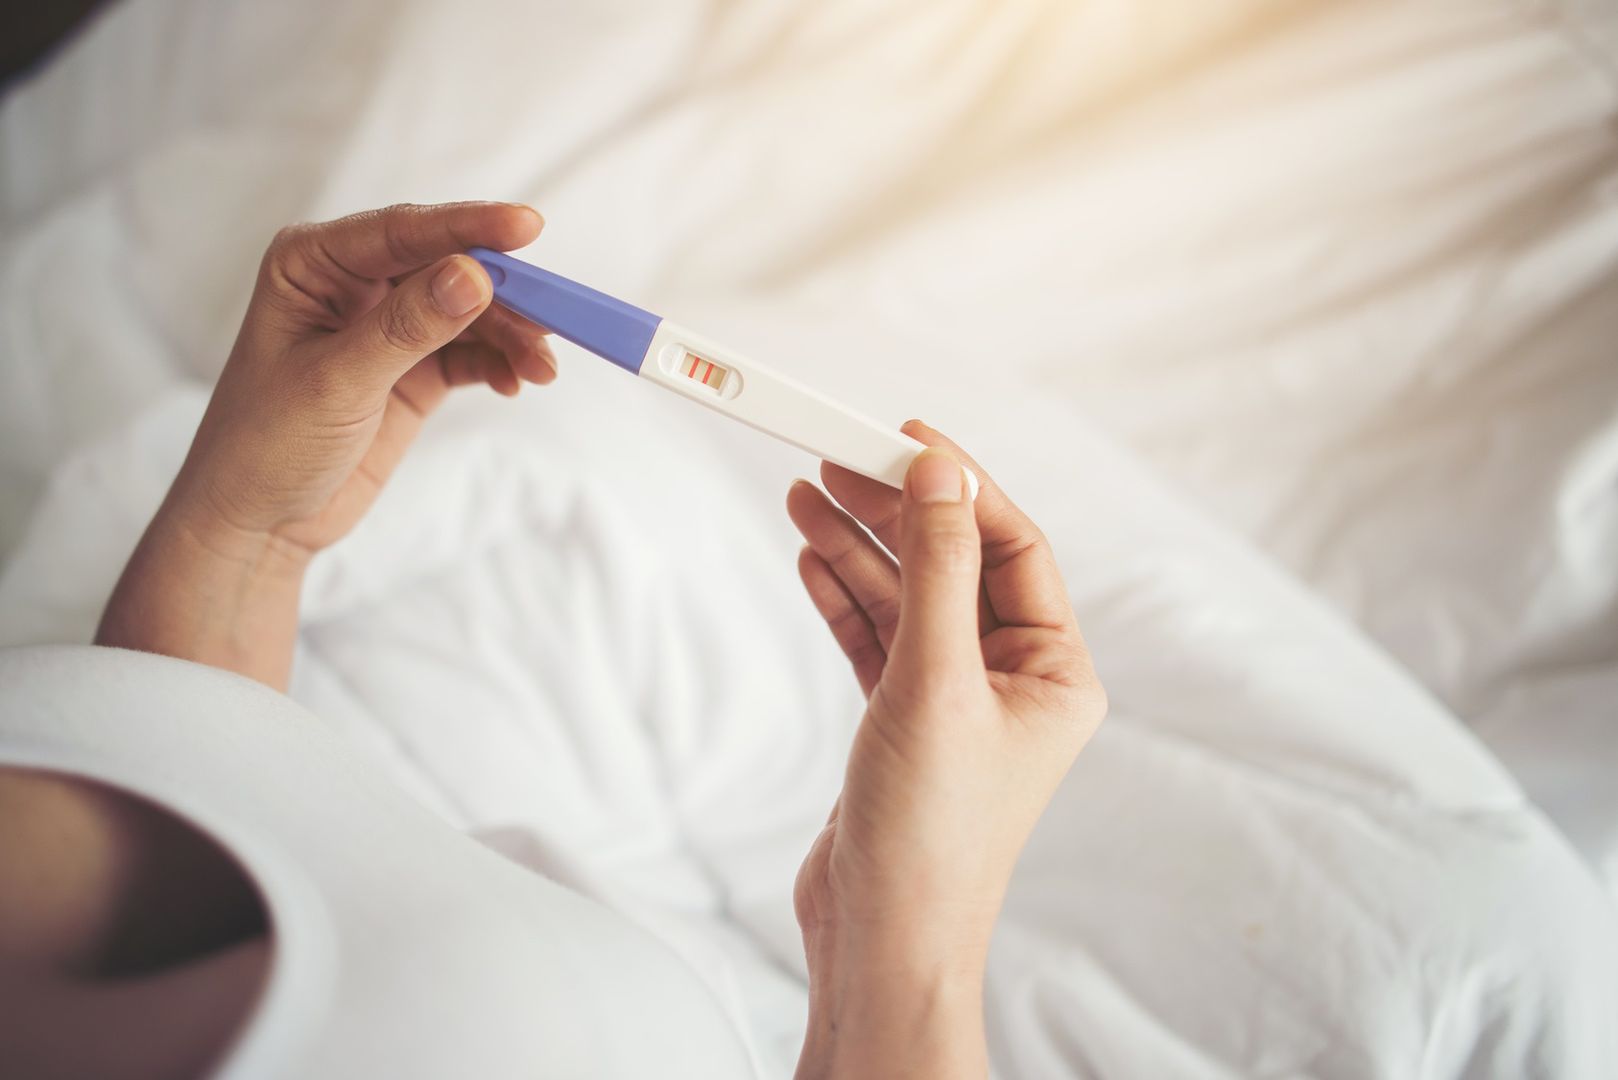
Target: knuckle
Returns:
[950, 551]
[288, 235]
[1023, 538]
[289, 243]
[883, 610]
[1073, 661]
[401, 229]
[863, 652]
[291, 263]
[887, 522]
[846, 625]
[1099, 703]
[1090, 694]
[852, 634]
[402, 327]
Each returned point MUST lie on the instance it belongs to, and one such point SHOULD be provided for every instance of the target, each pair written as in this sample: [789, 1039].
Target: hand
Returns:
[356, 331]
[980, 694]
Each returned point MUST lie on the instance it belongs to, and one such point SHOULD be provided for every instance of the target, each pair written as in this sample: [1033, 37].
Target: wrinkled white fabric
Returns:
[1289, 323]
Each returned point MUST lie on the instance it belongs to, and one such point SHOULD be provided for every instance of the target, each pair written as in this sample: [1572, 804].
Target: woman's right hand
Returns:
[980, 694]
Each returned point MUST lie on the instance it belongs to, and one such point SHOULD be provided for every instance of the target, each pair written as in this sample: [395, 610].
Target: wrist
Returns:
[887, 1007]
[213, 519]
[230, 550]
[198, 588]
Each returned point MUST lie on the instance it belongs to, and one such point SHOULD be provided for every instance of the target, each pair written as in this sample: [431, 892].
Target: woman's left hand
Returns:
[357, 329]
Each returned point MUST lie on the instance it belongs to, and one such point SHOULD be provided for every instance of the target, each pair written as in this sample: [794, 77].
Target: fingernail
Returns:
[455, 291]
[935, 477]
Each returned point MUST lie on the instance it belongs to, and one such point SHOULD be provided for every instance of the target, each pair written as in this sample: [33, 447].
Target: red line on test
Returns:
[707, 374]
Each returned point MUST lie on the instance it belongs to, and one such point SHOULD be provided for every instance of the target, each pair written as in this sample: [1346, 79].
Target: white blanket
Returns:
[1345, 273]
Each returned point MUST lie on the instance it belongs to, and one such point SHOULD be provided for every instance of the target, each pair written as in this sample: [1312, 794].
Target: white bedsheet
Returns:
[1344, 276]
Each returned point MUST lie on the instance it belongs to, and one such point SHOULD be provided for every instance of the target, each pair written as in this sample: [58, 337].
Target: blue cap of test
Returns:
[608, 327]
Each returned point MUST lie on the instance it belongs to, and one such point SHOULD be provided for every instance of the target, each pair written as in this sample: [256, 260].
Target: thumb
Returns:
[940, 557]
[421, 314]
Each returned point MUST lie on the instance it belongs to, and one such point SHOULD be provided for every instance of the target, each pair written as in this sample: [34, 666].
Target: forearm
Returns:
[199, 590]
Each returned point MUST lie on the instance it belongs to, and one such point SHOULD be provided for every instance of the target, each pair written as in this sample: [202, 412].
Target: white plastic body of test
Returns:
[785, 408]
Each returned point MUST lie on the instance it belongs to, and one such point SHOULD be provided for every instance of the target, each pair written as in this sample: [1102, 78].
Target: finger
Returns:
[503, 379]
[1020, 575]
[538, 366]
[848, 624]
[865, 571]
[417, 393]
[398, 239]
[523, 343]
[424, 387]
[460, 363]
[872, 503]
[876, 506]
[464, 363]
[412, 400]
[423, 313]
[939, 562]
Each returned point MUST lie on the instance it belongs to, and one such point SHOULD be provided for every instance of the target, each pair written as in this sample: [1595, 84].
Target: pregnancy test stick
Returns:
[702, 370]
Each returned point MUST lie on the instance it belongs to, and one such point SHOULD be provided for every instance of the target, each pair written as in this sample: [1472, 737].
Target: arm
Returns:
[357, 329]
[200, 590]
[980, 695]
[876, 1009]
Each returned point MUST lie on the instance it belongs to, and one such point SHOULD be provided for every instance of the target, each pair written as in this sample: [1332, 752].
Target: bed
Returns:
[1295, 325]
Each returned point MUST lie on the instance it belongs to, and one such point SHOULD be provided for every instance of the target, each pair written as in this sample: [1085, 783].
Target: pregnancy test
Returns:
[702, 370]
